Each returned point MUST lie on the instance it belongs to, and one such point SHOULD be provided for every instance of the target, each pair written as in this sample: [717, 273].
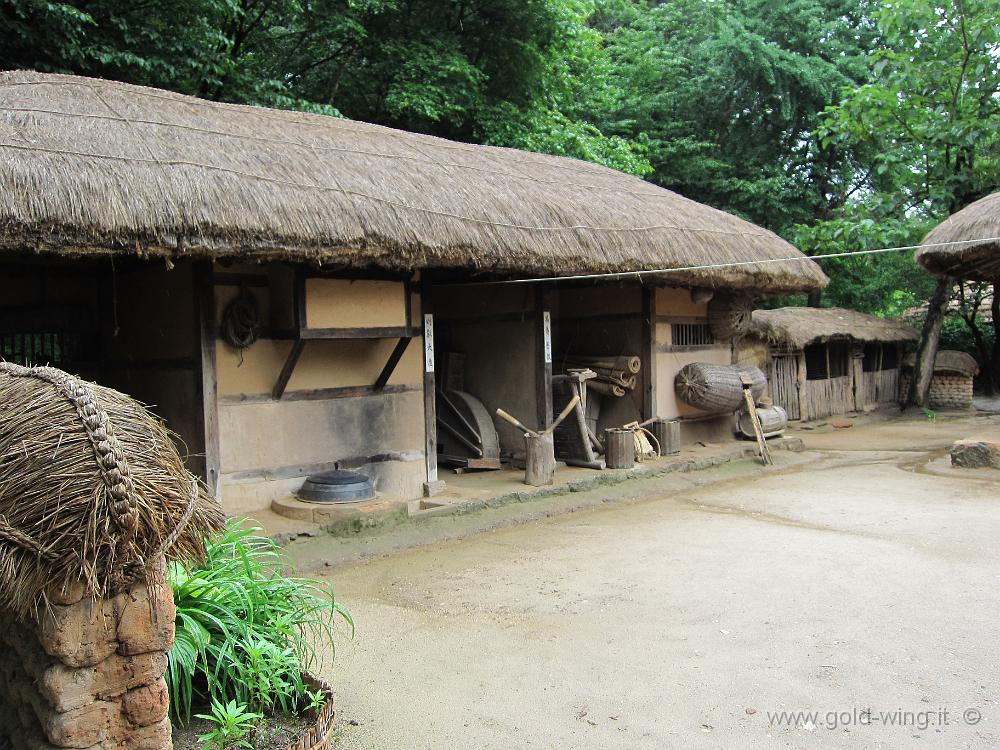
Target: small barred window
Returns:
[691, 334]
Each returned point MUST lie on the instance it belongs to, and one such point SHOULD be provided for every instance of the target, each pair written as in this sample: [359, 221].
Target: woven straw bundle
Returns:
[717, 388]
[92, 490]
[729, 315]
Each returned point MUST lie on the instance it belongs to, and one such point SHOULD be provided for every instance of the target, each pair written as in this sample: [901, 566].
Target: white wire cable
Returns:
[711, 266]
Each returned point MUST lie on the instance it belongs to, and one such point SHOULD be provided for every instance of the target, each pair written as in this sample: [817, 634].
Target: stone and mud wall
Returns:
[948, 390]
[89, 674]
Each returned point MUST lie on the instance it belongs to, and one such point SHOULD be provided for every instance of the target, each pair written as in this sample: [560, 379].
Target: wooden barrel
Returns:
[539, 460]
[668, 434]
[619, 448]
[773, 421]
[717, 388]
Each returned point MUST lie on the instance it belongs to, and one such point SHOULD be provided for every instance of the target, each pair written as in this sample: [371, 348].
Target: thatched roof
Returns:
[979, 261]
[796, 327]
[90, 166]
[948, 361]
[92, 490]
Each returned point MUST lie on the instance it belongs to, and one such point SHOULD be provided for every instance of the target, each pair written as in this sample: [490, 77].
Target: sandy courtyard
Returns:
[857, 581]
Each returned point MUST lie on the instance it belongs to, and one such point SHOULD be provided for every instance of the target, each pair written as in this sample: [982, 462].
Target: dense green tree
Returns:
[924, 135]
[728, 93]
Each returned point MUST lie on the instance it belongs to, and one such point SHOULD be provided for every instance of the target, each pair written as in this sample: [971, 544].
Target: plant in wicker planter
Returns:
[246, 630]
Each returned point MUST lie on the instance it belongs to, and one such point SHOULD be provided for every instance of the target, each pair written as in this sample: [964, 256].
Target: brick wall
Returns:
[89, 674]
[948, 391]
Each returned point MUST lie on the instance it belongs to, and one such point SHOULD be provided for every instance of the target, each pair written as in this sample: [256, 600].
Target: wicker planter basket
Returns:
[320, 735]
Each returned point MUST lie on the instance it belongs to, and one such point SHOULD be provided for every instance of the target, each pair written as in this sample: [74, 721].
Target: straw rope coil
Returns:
[92, 489]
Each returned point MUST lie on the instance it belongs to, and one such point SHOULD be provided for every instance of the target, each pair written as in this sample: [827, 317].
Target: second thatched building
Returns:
[826, 361]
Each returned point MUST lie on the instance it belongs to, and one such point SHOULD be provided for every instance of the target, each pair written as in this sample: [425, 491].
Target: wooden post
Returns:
[649, 404]
[539, 459]
[858, 376]
[801, 384]
[433, 485]
[923, 367]
[543, 359]
[207, 385]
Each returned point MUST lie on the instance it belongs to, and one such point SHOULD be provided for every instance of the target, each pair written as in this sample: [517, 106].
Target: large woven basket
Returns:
[320, 734]
[717, 388]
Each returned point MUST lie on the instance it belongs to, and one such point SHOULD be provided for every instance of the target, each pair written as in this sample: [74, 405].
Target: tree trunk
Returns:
[994, 365]
[815, 298]
[923, 368]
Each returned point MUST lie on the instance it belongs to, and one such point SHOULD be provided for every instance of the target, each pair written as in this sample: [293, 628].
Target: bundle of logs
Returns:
[615, 375]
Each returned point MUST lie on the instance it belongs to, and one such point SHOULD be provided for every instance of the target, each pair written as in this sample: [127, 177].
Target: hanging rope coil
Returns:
[241, 321]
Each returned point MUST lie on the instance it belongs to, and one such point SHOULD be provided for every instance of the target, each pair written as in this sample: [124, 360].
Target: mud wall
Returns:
[328, 416]
[674, 305]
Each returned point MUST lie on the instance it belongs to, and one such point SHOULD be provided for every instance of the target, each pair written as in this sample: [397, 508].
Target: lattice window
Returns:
[691, 334]
[44, 348]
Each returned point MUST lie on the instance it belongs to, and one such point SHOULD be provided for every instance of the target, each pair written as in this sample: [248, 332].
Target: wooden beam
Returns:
[241, 279]
[373, 332]
[802, 384]
[320, 394]
[299, 299]
[206, 386]
[543, 359]
[433, 484]
[390, 365]
[286, 371]
[649, 352]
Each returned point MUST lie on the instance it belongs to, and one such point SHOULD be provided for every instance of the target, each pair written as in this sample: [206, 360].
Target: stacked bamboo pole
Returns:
[615, 375]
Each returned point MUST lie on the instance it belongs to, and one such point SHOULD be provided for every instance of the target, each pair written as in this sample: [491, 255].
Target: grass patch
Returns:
[246, 629]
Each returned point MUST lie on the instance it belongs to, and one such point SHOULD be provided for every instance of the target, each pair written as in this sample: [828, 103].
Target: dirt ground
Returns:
[858, 580]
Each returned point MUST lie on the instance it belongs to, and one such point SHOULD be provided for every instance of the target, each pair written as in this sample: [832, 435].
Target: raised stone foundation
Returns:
[948, 391]
[89, 674]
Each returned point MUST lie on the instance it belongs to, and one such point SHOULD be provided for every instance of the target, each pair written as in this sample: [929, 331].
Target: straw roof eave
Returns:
[94, 167]
[797, 327]
[978, 259]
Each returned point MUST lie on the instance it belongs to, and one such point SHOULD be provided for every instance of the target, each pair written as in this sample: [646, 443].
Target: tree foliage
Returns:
[841, 124]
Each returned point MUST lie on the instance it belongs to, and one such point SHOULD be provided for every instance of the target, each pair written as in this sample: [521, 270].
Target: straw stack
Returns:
[91, 489]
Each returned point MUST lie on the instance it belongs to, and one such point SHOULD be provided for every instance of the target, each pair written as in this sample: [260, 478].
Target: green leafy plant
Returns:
[233, 725]
[246, 629]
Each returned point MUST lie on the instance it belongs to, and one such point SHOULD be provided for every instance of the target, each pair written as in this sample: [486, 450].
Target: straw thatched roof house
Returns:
[978, 260]
[182, 176]
[266, 278]
[824, 361]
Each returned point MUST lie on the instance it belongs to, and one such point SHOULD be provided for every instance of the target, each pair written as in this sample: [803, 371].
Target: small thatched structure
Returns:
[949, 361]
[179, 176]
[824, 361]
[977, 261]
[92, 490]
[797, 327]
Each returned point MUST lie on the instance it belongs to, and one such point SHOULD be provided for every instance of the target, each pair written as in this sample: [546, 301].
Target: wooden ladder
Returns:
[765, 453]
